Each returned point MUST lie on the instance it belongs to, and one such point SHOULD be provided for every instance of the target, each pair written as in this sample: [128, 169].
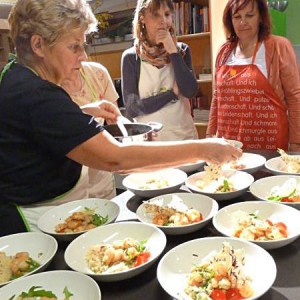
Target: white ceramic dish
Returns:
[80, 285]
[249, 162]
[225, 220]
[189, 168]
[138, 183]
[205, 205]
[176, 264]
[75, 254]
[240, 180]
[58, 214]
[40, 247]
[261, 188]
[278, 167]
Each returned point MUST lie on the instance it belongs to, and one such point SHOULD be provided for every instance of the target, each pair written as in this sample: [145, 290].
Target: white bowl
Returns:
[40, 247]
[240, 180]
[80, 285]
[137, 182]
[205, 205]
[58, 214]
[75, 254]
[225, 220]
[174, 267]
[189, 168]
[261, 188]
[251, 163]
[278, 167]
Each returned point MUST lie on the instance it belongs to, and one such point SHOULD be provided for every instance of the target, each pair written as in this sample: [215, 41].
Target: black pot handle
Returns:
[156, 126]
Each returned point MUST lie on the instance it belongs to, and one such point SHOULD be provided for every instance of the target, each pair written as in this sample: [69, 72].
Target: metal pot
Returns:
[137, 132]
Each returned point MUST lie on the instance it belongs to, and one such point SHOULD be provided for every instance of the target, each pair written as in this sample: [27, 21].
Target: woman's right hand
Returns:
[220, 152]
[102, 109]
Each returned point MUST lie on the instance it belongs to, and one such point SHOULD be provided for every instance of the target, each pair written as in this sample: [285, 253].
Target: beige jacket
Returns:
[284, 77]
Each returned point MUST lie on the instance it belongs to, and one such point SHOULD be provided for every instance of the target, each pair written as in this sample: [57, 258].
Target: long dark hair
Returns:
[234, 6]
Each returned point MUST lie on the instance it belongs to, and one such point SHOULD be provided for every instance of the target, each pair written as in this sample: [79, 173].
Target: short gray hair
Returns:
[50, 19]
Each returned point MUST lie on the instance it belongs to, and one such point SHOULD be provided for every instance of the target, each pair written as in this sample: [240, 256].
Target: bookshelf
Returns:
[203, 46]
[5, 45]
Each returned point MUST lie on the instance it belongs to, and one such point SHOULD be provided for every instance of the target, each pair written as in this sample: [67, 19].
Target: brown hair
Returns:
[152, 5]
[233, 6]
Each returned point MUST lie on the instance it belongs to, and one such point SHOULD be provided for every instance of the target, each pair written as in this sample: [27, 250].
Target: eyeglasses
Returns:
[78, 48]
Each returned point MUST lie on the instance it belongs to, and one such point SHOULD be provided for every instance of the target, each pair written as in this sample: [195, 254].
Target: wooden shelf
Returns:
[193, 36]
[109, 47]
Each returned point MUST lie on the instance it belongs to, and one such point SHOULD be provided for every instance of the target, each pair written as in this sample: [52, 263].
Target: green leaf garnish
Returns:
[36, 291]
[98, 220]
[67, 293]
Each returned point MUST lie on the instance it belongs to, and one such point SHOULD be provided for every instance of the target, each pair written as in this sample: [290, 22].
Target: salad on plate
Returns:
[220, 276]
[289, 191]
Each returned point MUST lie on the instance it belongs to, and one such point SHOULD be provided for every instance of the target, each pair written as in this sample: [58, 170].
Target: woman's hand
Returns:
[220, 151]
[102, 109]
[164, 37]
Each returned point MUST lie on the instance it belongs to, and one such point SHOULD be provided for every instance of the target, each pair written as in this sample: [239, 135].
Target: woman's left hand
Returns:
[102, 109]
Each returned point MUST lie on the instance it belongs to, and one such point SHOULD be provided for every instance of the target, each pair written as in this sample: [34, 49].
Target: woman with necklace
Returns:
[46, 138]
[257, 91]
[90, 84]
[157, 75]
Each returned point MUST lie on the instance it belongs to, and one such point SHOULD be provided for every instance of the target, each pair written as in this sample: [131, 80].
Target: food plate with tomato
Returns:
[116, 251]
[181, 208]
[283, 189]
[269, 225]
[176, 268]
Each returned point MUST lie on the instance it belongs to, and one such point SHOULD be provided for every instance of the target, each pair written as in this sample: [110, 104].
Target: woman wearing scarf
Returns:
[157, 76]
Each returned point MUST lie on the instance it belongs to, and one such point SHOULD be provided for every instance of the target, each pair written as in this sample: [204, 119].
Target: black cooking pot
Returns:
[137, 132]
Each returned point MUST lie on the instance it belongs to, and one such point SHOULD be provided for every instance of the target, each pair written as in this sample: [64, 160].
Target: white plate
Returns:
[261, 188]
[240, 180]
[205, 205]
[251, 162]
[189, 168]
[80, 285]
[278, 167]
[174, 267]
[58, 214]
[41, 247]
[136, 182]
[225, 222]
[77, 249]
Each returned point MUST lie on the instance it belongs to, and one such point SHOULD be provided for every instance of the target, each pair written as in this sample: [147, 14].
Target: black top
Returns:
[39, 125]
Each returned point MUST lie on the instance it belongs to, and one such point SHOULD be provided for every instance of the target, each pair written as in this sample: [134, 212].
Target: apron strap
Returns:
[90, 87]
